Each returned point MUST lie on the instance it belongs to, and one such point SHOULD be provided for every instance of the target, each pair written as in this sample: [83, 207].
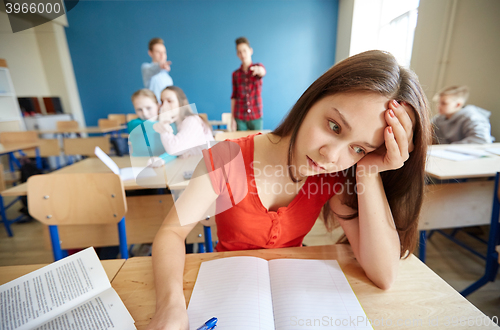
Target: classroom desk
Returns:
[445, 169]
[465, 202]
[418, 295]
[173, 171]
[9, 273]
[145, 213]
[88, 130]
[11, 148]
[462, 203]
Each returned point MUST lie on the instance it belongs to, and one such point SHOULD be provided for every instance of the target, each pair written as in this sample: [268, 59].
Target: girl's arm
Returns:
[187, 137]
[169, 251]
[373, 235]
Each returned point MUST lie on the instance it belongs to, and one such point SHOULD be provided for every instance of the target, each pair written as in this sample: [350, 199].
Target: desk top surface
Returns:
[89, 129]
[9, 273]
[418, 294]
[10, 147]
[444, 169]
[170, 175]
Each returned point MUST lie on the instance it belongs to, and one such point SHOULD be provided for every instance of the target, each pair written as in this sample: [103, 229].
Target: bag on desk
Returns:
[28, 168]
[120, 144]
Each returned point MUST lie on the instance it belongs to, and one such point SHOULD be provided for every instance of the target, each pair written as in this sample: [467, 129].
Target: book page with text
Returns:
[313, 294]
[106, 311]
[35, 298]
[235, 290]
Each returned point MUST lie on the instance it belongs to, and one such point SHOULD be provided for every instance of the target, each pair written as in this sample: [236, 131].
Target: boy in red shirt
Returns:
[246, 100]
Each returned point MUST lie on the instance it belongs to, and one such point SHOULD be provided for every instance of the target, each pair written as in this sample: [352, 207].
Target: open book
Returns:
[72, 293]
[253, 293]
[127, 173]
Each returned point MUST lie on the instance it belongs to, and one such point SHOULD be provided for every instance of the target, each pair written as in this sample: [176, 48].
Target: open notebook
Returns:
[127, 173]
[253, 293]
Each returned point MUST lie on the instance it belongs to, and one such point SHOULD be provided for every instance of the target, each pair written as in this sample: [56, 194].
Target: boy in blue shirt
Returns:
[155, 74]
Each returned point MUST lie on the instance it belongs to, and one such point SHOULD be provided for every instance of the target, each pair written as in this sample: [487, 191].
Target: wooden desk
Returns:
[7, 148]
[418, 294]
[145, 213]
[445, 169]
[173, 171]
[464, 203]
[9, 273]
[89, 130]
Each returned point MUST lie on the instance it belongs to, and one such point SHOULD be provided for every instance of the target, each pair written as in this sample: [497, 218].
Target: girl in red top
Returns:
[354, 146]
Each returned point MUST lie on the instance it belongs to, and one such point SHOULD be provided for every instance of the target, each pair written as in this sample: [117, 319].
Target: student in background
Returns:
[457, 122]
[145, 140]
[246, 99]
[193, 130]
[155, 74]
[354, 145]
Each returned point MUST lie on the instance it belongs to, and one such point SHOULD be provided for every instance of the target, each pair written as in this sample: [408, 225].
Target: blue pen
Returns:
[209, 325]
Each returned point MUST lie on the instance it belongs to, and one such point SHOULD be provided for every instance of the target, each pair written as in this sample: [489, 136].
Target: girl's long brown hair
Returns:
[375, 72]
[183, 101]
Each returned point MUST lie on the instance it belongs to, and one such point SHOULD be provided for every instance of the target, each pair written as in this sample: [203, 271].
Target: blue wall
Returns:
[294, 39]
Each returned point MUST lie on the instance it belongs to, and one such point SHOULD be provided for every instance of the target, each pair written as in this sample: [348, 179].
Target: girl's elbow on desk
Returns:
[384, 277]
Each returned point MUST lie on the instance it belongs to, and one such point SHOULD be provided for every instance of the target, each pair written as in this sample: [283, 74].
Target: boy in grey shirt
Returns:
[457, 123]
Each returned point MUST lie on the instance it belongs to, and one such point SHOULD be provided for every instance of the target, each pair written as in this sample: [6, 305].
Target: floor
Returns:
[454, 264]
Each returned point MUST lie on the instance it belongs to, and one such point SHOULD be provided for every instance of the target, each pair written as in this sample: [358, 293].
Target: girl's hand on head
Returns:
[155, 162]
[398, 136]
[163, 127]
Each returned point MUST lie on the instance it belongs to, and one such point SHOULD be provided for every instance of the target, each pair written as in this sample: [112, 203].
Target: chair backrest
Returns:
[233, 135]
[226, 119]
[19, 137]
[48, 147]
[76, 198]
[86, 146]
[121, 118]
[107, 123]
[65, 124]
[131, 116]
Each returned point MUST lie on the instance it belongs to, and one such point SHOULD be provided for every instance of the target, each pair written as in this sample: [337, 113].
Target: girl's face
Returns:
[338, 131]
[169, 106]
[145, 107]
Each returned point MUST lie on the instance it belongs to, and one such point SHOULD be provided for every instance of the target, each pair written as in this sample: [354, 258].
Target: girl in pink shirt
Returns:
[193, 132]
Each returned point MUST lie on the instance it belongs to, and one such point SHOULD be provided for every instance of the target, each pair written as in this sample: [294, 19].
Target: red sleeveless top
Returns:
[243, 223]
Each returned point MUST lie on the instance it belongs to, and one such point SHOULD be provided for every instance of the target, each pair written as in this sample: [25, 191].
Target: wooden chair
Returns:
[19, 138]
[48, 148]
[226, 119]
[121, 118]
[234, 135]
[205, 235]
[491, 269]
[67, 124]
[86, 146]
[131, 116]
[3, 207]
[78, 199]
[145, 214]
[108, 123]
